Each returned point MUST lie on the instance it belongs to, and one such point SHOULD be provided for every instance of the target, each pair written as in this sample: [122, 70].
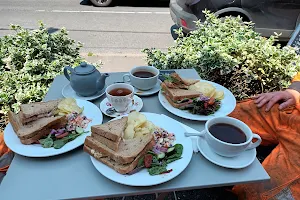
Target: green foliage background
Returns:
[232, 54]
[29, 61]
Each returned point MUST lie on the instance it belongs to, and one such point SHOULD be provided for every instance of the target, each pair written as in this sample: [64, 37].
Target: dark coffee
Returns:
[143, 74]
[228, 133]
[120, 92]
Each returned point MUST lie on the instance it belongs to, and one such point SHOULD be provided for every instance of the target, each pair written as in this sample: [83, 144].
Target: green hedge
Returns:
[29, 61]
[232, 54]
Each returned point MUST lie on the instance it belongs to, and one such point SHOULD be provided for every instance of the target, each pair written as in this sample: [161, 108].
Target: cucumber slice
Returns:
[170, 149]
[161, 155]
[79, 130]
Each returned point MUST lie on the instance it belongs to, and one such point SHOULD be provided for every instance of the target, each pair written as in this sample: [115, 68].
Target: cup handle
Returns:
[124, 78]
[255, 144]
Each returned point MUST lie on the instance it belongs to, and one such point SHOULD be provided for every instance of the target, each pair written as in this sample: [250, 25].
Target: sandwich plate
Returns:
[142, 178]
[227, 105]
[91, 111]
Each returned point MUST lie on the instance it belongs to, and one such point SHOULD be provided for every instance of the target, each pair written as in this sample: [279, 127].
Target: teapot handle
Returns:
[66, 72]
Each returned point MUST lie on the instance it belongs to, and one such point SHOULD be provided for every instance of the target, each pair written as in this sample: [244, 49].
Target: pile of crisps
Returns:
[207, 90]
[138, 126]
[68, 105]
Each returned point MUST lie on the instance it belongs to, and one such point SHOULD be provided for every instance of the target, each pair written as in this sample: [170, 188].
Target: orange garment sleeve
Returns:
[297, 77]
[3, 150]
[296, 83]
[280, 128]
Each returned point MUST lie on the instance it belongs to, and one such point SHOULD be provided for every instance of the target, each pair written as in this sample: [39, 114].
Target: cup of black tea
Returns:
[229, 137]
[120, 95]
[142, 77]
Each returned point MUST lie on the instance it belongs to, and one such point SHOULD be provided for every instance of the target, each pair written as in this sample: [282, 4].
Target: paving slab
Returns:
[116, 62]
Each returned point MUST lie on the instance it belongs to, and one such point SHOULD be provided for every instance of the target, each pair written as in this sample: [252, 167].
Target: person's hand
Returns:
[286, 98]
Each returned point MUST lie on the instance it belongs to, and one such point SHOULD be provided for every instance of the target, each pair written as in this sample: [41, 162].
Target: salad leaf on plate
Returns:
[47, 143]
[159, 163]
[157, 170]
[58, 144]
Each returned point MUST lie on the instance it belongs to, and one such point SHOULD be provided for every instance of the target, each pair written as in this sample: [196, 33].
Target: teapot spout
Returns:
[101, 81]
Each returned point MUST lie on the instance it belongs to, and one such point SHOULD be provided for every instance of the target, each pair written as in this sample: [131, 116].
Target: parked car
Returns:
[104, 3]
[269, 16]
[101, 3]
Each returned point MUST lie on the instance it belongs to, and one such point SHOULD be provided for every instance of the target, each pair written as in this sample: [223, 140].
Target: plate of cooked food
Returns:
[50, 128]
[140, 149]
[195, 99]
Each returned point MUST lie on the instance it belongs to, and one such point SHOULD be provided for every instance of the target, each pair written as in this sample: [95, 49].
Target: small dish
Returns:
[148, 92]
[137, 106]
[67, 91]
[241, 161]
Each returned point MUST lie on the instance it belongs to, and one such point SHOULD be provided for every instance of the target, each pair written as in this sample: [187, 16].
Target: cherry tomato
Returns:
[148, 160]
[62, 135]
[211, 101]
[205, 105]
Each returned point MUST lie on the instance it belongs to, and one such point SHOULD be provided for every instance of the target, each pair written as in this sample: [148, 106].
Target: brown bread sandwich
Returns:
[108, 146]
[36, 120]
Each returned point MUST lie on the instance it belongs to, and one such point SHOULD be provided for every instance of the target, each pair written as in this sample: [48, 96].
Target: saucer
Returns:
[241, 161]
[137, 106]
[152, 91]
[67, 91]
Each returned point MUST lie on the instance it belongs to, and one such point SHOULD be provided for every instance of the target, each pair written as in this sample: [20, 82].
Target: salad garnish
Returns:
[163, 153]
[203, 105]
[74, 128]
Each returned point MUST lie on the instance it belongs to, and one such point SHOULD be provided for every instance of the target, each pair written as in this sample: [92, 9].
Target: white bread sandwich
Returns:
[179, 98]
[176, 82]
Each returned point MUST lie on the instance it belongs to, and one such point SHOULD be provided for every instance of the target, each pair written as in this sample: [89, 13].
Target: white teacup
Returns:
[139, 82]
[228, 149]
[120, 103]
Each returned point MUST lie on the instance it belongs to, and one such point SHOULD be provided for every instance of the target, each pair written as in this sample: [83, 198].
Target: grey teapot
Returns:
[85, 79]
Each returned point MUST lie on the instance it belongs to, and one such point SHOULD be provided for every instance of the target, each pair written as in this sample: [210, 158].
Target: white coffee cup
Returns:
[228, 149]
[120, 103]
[142, 83]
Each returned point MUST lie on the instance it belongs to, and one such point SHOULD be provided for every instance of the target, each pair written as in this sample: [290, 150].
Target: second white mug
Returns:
[142, 77]
[227, 149]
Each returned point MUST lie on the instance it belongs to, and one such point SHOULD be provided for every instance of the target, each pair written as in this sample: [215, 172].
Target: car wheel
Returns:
[101, 3]
[174, 35]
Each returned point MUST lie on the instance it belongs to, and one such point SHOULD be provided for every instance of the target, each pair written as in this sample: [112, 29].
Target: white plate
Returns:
[241, 161]
[142, 178]
[137, 106]
[36, 150]
[148, 92]
[67, 91]
[227, 105]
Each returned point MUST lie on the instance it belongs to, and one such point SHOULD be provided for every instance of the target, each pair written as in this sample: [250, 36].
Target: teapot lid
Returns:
[84, 68]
